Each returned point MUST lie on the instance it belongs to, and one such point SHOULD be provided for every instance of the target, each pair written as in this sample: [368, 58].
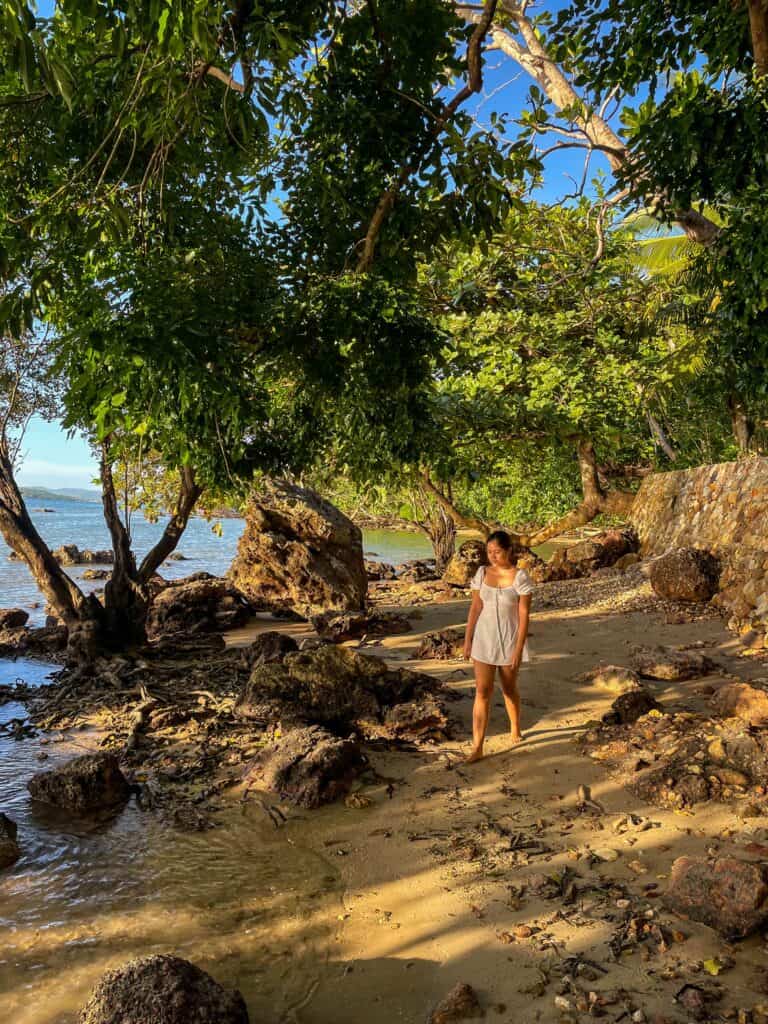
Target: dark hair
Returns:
[502, 538]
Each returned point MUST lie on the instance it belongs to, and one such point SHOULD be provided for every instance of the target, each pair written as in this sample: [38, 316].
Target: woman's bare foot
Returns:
[516, 737]
[474, 755]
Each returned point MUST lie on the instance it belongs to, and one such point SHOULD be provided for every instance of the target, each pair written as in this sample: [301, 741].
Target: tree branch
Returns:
[189, 492]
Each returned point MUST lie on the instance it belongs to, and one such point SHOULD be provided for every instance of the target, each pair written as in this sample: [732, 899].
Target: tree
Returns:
[139, 187]
[550, 347]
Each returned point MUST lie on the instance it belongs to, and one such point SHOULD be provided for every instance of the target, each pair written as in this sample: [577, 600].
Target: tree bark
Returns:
[64, 596]
[742, 425]
[758, 27]
[189, 493]
[533, 57]
[441, 530]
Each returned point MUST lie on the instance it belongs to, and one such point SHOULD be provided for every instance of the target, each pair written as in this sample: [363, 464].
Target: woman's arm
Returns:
[523, 617]
[474, 614]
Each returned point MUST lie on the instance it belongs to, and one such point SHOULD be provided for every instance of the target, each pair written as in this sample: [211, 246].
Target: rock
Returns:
[685, 574]
[197, 604]
[465, 563]
[743, 701]
[307, 766]
[418, 570]
[176, 556]
[442, 645]
[9, 848]
[343, 691]
[96, 574]
[612, 679]
[672, 665]
[162, 990]
[300, 552]
[86, 783]
[607, 854]
[12, 618]
[70, 554]
[623, 563]
[379, 570]
[630, 706]
[340, 626]
[267, 648]
[728, 894]
[461, 1003]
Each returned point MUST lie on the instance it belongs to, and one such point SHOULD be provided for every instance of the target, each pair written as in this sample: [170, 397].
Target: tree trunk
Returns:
[758, 27]
[441, 530]
[743, 427]
[64, 596]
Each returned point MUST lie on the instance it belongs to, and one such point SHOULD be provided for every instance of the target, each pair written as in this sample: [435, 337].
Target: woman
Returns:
[497, 629]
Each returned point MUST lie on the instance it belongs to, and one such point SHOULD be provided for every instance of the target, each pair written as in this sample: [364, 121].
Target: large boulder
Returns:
[685, 574]
[162, 990]
[344, 691]
[70, 554]
[9, 848]
[267, 648]
[728, 894]
[88, 783]
[376, 571]
[299, 552]
[465, 563]
[308, 766]
[197, 604]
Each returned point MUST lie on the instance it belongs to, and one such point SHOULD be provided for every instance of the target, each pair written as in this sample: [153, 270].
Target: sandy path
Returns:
[427, 868]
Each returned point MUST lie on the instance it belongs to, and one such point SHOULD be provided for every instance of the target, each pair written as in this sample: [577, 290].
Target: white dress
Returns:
[496, 629]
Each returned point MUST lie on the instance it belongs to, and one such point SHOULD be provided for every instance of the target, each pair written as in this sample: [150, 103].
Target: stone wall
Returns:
[722, 509]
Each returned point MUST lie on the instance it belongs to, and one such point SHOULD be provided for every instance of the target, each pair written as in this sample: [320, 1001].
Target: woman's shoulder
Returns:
[477, 579]
[523, 582]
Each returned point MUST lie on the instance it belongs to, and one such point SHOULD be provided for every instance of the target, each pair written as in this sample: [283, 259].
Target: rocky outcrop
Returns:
[299, 552]
[44, 640]
[442, 645]
[721, 509]
[162, 990]
[376, 571]
[88, 783]
[418, 570]
[197, 604]
[307, 766]
[742, 701]
[728, 894]
[588, 556]
[345, 691]
[670, 664]
[685, 574]
[465, 563]
[12, 618]
[339, 627]
[266, 649]
[70, 554]
[630, 706]
[9, 848]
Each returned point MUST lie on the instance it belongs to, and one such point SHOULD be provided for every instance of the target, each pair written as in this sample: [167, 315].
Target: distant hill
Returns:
[60, 494]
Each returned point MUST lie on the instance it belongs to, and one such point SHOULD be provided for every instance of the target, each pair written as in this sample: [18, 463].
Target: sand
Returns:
[433, 894]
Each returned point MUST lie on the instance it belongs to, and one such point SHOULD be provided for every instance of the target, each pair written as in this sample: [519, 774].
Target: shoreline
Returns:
[440, 864]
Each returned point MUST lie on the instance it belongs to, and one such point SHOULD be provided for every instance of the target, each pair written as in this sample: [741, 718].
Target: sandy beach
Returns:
[440, 871]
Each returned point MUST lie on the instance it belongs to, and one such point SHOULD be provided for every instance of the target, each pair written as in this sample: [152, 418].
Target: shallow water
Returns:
[247, 902]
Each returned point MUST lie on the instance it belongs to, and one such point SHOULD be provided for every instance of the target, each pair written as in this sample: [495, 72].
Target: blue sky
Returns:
[53, 459]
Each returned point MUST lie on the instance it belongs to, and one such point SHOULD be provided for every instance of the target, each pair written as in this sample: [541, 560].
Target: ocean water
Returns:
[82, 523]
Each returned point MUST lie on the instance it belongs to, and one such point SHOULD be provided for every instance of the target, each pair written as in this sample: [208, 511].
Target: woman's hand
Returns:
[516, 660]
[467, 648]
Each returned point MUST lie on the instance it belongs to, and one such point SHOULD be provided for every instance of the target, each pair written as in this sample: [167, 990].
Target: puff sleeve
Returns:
[477, 579]
[523, 583]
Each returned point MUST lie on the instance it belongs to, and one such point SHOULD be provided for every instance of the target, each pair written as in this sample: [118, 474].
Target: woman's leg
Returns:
[481, 711]
[508, 678]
